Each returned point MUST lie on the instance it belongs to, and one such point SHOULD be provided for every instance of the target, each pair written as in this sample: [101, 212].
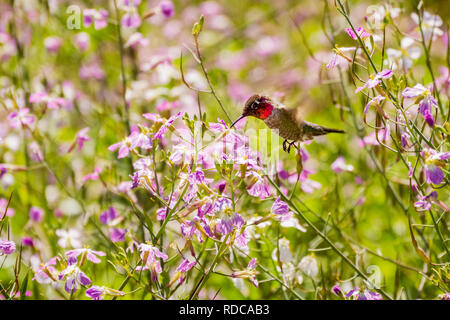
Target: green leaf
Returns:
[23, 287]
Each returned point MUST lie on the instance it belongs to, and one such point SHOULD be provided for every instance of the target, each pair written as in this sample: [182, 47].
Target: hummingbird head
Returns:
[256, 106]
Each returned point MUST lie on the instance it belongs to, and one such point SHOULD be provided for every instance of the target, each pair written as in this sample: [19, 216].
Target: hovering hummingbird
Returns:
[288, 122]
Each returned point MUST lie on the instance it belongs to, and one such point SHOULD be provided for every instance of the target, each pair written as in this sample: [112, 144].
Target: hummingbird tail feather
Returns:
[316, 130]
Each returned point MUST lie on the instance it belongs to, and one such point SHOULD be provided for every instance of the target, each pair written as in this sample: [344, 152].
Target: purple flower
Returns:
[445, 296]
[257, 188]
[28, 241]
[404, 138]
[73, 276]
[86, 253]
[108, 215]
[281, 209]
[358, 294]
[425, 99]
[425, 202]
[337, 290]
[98, 293]
[7, 247]
[117, 235]
[161, 214]
[95, 292]
[36, 214]
[433, 162]
[167, 8]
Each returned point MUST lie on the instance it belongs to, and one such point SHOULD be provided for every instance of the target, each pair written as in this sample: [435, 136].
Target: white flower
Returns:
[309, 266]
[285, 252]
[377, 14]
[292, 222]
[69, 238]
[403, 58]
[430, 25]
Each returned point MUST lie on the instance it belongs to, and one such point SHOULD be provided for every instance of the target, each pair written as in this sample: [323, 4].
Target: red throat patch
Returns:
[264, 110]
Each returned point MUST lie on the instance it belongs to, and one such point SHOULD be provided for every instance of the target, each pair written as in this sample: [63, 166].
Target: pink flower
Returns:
[375, 80]
[136, 39]
[308, 185]
[9, 212]
[182, 269]
[248, 273]
[81, 137]
[134, 140]
[339, 57]
[52, 102]
[99, 17]
[91, 71]
[359, 31]
[131, 20]
[20, 118]
[339, 165]
[35, 152]
[93, 176]
[46, 272]
[374, 101]
[82, 40]
[166, 125]
[148, 256]
[52, 44]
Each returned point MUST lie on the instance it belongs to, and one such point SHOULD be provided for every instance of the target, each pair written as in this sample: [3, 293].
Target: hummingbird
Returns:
[289, 123]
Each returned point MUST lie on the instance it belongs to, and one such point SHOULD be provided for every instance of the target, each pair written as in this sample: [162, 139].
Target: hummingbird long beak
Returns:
[237, 120]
